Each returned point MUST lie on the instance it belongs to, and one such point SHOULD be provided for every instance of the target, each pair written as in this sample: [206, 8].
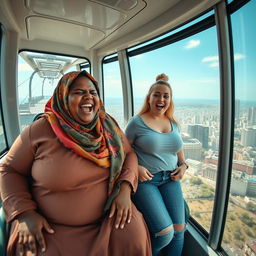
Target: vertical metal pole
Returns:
[126, 85]
[30, 85]
[226, 128]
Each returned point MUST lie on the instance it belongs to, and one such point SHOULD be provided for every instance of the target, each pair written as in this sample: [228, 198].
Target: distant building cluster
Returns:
[201, 141]
[200, 133]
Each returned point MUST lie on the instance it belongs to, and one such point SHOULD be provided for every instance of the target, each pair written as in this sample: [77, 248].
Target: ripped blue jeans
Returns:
[161, 202]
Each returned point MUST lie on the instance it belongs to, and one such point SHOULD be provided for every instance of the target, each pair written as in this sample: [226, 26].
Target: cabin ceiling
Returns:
[91, 24]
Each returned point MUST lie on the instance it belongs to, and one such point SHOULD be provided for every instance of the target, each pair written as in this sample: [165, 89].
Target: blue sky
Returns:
[191, 64]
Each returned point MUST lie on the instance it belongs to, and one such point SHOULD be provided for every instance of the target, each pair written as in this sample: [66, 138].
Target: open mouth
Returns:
[159, 106]
[87, 108]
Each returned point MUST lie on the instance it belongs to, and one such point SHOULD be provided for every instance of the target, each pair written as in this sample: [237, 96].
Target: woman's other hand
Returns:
[30, 232]
[144, 174]
[122, 206]
[178, 173]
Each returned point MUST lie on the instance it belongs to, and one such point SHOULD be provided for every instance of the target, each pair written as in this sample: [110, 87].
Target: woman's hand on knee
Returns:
[122, 206]
[30, 232]
[144, 174]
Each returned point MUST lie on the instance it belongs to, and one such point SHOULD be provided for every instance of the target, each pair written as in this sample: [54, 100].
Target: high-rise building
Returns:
[200, 132]
[251, 189]
[238, 184]
[192, 149]
[237, 109]
[210, 172]
[248, 137]
[252, 116]
[197, 119]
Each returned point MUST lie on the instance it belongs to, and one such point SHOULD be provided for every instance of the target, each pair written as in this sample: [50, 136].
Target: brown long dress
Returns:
[40, 174]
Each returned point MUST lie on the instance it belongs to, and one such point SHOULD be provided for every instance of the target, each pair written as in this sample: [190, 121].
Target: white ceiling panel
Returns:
[85, 12]
[54, 30]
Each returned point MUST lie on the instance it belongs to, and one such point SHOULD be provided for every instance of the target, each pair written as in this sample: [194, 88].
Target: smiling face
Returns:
[83, 100]
[159, 100]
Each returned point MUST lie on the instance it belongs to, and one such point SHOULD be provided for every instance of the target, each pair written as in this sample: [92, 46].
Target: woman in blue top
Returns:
[154, 134]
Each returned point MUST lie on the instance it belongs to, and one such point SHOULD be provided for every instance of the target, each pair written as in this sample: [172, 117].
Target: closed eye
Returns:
[82, 92]
[94, 93]
[78, 92]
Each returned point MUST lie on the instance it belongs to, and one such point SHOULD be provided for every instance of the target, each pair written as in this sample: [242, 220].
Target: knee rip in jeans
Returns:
[179, 234]
[165, 231]
[179, 227]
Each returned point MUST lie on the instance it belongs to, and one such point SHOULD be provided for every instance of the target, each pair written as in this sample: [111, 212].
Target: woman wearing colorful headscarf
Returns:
[66, 181]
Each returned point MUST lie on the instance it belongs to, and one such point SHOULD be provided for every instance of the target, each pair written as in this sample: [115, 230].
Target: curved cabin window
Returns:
[240, 230]
[193, 68]
[113, 94]
[38, 75]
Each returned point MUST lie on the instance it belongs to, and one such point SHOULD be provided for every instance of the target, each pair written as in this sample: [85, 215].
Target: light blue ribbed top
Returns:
[156, 151]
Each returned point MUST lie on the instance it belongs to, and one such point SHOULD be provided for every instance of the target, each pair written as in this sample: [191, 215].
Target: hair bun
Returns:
[163, 77]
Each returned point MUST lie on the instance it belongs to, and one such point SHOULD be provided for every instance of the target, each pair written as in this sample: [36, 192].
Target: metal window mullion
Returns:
[9, 46]
[226, 128]
[1, 108]
[126, 85]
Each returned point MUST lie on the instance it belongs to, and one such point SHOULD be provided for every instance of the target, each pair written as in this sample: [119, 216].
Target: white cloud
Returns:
[239, 56]
[192, 44]
[210, 59]
[24, 67]
[214, 60]
[214, 64]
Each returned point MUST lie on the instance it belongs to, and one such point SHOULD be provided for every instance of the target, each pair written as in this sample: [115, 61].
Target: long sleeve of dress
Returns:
[15, 172]
[130, 167]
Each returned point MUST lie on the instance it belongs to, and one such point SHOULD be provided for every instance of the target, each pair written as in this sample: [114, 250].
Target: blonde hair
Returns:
[161, 79]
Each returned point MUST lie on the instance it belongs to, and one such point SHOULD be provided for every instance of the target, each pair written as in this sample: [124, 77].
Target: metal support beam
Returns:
[126, 85]
[30, 86]
[226, 128]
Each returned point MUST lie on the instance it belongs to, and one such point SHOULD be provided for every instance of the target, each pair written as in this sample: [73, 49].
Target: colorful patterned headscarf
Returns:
[106, 148]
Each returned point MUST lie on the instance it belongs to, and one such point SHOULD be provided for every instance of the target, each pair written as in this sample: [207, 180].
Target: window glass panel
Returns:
[193, 69]
[36, 87]
[3, 144]
[172, 31]
[114, 55]
[113, 96]
[85, 66]
[240, 230]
